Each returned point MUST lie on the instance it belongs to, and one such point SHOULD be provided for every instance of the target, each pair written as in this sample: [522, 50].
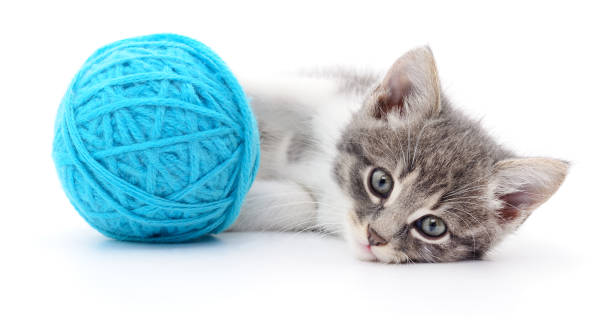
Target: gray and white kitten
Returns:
[389, 165]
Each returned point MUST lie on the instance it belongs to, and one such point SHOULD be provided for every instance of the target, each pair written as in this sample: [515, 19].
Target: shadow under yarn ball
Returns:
[155, 141]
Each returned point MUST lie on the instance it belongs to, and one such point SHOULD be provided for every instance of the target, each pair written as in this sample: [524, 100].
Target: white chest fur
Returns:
[298, 193]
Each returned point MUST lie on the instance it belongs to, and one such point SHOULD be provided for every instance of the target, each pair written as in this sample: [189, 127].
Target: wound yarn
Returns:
[155, 141]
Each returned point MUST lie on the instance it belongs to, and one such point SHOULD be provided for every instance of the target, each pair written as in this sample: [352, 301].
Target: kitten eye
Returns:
[381, 183]
[431, 226]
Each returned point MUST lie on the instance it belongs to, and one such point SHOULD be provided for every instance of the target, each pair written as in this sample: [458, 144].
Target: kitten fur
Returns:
[323, 133]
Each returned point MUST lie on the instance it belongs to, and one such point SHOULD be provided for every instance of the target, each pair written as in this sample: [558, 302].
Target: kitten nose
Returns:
[374, 239]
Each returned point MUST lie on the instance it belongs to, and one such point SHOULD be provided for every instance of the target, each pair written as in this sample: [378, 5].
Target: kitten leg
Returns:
[278, 205]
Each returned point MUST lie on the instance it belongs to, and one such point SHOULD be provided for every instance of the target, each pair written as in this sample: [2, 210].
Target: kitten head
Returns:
[428, 184]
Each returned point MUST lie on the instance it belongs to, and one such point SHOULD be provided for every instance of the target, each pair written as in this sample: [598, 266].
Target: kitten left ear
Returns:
[522, 185]
[411, 85]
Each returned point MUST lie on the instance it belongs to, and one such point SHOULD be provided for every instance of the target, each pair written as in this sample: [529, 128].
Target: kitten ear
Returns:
[522, 185]
[410, 85]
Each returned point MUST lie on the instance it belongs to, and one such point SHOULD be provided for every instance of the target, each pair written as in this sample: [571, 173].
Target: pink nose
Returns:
[374, 239]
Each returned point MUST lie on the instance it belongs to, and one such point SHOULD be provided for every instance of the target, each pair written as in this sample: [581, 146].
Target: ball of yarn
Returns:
[155, 141]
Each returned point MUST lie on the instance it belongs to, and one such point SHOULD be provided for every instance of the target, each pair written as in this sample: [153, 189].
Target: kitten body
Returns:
[301, 119]
[387, 163]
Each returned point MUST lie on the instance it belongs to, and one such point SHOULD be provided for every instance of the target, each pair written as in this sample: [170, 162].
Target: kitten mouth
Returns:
[358, 240]
[364, 252]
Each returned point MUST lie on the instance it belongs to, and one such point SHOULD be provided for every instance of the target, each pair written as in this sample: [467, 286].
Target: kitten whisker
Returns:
[416, 146]
[478, 221]
[389, 153]
[471, 233]
[401, 146]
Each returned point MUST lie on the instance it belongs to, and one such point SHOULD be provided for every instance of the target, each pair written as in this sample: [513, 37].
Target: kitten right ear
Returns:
[410, 85]
[523, 184]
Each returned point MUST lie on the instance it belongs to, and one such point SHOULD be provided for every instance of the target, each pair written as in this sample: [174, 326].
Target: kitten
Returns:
[389, 165]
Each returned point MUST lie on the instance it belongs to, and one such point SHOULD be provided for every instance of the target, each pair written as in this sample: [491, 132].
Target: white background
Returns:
[538, 74]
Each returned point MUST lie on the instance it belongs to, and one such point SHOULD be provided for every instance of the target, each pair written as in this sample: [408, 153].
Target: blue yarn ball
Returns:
[155, 141]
